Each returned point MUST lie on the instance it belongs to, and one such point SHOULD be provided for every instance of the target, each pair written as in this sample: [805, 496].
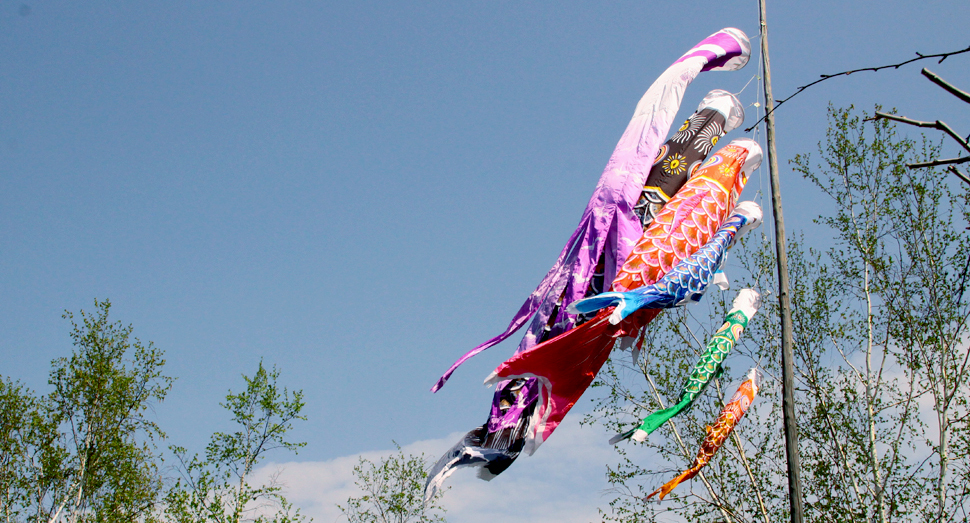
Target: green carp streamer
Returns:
[707, 367]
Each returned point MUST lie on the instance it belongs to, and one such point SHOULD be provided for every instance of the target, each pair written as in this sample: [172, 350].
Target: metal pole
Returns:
[784, 298]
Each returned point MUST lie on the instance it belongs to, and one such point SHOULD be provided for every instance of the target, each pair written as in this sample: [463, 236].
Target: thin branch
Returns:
[933, 125]
[962, 95]
[959, 174]
[966, 267]
[941, 56]
[934, 163]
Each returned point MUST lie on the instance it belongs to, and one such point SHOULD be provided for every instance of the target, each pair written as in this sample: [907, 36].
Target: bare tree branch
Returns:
[933, 125]
[941, 56]
[962, 95]
[935, 163]
[959, 174]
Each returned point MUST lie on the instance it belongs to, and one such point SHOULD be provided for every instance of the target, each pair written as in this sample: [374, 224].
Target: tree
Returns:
[86, 451]
[393, 492]
[880, 330]
[900, 251]
[23, 435]
[217, 487]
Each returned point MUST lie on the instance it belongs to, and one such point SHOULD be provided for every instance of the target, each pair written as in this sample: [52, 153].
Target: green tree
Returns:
[24, 437]
[86, 451]
[393, 492]
[898, 389]
[217, 487]
[880, 329]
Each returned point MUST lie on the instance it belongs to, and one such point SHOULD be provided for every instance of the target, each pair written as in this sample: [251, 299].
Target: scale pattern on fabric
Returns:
[701, 204]
[718, 433]
[687, 281]
[708, 366]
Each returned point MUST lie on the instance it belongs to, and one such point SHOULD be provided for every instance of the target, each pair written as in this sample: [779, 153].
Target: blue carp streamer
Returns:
[686, 282]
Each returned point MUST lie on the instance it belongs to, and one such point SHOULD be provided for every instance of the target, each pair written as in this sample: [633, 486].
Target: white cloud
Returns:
[563, 482]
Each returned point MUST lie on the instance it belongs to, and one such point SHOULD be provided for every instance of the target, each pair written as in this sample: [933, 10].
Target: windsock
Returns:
[607, 230]
[687, 281]
[718, 433]
[680, 158]
[708, 367]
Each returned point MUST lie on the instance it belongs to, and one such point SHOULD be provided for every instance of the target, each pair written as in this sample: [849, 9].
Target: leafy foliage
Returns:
[86, 451]
[880, 325]
[24, 437]
[393, 492]
[217, 487]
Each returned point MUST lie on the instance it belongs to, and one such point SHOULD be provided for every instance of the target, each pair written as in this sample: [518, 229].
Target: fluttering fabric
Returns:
[609, 226]
[686, 282]
[515, 399]
[468, 452]
[718, 433]
[566, 365]
[708, 366]
[692, 216]
[680, 158]
[607, 230]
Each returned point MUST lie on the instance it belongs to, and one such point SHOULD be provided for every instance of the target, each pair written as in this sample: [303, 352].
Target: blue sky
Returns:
[358, 192]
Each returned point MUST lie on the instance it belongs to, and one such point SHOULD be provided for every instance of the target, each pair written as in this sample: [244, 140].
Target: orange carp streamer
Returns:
[689, 219]
[719, 432]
